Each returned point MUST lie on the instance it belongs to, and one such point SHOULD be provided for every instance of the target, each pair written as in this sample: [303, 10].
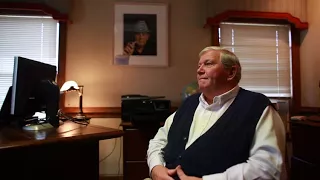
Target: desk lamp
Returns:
[70, 86]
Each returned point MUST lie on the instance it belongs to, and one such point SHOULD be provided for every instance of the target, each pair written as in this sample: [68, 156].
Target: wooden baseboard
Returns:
[110, 177]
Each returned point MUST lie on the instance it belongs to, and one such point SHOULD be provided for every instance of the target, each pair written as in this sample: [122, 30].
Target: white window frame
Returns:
[242, 44]
[13, 28]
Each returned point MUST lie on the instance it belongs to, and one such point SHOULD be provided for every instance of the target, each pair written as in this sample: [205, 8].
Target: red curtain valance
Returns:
[255, 16]
[32, 8]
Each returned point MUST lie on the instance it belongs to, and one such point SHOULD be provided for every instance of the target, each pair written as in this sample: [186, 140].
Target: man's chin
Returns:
[140, 44]
[203, 84]
[203, 87]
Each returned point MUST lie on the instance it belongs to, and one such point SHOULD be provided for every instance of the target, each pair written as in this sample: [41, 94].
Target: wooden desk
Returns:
[305, 161]
[68, 152]
[135, 145]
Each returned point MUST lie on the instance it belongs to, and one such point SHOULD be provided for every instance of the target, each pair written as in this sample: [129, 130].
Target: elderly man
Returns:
[223, 133]
[141, 45]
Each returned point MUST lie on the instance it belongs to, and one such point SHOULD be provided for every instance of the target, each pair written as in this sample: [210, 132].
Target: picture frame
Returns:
[140, 34]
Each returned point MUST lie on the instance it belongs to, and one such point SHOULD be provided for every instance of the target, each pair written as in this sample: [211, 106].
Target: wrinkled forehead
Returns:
[212, 55]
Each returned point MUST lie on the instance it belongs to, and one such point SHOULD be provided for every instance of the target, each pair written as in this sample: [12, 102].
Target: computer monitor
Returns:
[34, 90]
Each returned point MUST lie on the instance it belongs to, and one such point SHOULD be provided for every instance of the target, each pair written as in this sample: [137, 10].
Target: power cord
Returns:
[37, 121]
[119, 161]
[114, 147]
[63, 116]
[66, 117]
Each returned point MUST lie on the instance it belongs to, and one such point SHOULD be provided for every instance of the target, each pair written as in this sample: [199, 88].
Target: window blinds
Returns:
[32, 37]
[264, 52]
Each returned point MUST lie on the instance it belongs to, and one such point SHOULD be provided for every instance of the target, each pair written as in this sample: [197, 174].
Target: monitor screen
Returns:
[34, 89]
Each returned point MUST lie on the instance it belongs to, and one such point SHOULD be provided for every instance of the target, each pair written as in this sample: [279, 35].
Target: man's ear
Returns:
[232, 72]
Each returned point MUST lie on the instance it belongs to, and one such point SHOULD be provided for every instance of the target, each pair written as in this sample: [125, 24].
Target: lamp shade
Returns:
[69, 86]
[73, 86]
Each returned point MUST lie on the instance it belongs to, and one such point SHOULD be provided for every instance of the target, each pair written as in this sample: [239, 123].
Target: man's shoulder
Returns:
[193, 97]
[189, 102]
[255, 97]
[252, 93]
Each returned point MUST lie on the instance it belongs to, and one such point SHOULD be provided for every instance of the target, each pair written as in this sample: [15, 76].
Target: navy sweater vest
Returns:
[225, 144]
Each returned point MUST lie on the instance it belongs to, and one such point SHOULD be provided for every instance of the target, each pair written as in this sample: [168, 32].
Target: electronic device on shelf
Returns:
[138, 108]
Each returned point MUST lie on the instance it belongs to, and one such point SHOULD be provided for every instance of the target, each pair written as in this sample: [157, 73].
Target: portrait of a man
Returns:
[140, 35]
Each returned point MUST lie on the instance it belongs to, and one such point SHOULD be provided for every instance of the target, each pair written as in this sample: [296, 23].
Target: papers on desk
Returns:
[40, 115]
[298, 118]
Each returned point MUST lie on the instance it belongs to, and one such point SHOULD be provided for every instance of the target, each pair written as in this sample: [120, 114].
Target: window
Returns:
[264, 51]
[33, 37]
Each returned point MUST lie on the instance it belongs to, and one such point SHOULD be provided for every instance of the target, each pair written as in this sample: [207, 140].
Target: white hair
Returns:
[227, 58]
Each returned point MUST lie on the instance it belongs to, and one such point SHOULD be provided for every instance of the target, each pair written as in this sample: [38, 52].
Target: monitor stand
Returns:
[39, 125]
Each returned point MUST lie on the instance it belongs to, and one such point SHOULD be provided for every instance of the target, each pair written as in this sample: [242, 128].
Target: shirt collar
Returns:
[219, 101]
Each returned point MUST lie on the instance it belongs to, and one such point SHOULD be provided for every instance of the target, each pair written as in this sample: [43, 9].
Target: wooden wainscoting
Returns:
[95, 112]
[99, 112]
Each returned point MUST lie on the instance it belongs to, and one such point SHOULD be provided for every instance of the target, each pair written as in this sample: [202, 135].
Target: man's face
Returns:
[141, 38]
[211, 74]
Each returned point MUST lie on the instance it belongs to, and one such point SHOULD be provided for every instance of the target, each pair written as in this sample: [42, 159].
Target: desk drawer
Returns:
[304, 142]
[136, 143]
[303, 170]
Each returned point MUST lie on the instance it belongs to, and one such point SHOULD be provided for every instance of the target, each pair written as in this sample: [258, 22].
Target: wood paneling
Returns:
[309, 110]
[96, 112]
[215, 35]
[296, 79]
[99, 112]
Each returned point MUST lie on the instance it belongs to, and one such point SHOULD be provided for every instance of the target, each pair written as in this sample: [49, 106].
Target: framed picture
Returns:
[140, 34]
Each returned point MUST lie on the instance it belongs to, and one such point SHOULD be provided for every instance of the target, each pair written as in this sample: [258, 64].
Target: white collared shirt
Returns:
[266, 153]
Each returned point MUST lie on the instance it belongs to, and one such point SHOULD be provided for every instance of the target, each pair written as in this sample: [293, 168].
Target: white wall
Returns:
[310, 58]
[112, 165]
[90, 56]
